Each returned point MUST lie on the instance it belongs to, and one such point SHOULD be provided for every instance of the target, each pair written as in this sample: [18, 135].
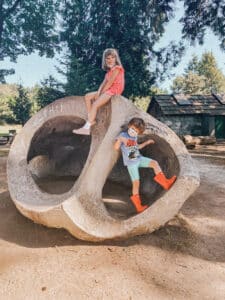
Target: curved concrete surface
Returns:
[93, 172]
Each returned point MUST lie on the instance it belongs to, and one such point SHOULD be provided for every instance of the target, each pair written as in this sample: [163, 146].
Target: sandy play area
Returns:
[183, 260]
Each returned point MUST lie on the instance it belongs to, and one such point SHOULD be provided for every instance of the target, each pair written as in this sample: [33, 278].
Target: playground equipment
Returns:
[79, 183]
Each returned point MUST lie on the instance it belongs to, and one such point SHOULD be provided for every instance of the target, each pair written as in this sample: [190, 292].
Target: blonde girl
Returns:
[113, 84]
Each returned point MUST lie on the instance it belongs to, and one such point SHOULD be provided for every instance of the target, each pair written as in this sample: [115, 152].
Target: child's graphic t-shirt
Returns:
[130, 152]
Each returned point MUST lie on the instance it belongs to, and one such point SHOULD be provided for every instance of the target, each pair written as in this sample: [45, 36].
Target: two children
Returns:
[127, 141]
[113, 84]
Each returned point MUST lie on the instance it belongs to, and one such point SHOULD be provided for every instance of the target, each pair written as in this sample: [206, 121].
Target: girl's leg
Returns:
[102, 100]
[89, 97]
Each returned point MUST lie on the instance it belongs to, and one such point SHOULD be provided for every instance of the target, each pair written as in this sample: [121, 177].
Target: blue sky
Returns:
[31, 69]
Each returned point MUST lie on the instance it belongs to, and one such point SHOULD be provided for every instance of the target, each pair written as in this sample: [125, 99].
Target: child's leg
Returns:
[160, 178]
[135, 178]
[89, 97]
[135, 187]
[155, 166]
[102, 100]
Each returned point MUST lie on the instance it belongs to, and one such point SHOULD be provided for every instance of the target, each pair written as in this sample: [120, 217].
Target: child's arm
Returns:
[118, 142]
[111, 80]
[148, 142]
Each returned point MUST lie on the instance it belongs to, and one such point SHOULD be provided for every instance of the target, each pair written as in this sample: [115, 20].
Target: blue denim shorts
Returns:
[133, 169]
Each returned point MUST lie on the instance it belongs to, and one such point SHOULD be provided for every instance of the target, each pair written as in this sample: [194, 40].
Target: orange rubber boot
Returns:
[166, 183]
[136, 200]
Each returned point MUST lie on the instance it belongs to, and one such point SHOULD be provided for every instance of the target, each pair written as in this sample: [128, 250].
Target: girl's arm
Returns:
[148, 142]
[111, 80]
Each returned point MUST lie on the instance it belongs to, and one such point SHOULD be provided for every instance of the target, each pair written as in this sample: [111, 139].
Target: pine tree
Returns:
[132, 27]
[48, 92]
[214, 78]
[21, 106]
[201, 77]
[190, 83]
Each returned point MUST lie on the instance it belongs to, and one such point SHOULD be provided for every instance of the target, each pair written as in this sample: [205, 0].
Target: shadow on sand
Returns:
[177, 236]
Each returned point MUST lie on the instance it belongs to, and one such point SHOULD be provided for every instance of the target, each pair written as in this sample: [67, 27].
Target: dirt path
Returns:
[183, 260]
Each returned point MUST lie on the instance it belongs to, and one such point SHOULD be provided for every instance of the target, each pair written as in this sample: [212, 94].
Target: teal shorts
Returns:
[133, 169]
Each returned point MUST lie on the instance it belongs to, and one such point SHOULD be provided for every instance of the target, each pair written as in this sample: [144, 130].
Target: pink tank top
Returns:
[118, 85]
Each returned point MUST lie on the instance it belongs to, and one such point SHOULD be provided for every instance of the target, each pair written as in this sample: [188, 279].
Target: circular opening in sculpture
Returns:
[56, 156]
[118, 187]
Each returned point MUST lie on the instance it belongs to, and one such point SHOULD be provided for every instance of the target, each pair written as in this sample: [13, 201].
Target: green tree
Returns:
[214, 78]
[47, 92]
[143, 102]
[7, 91]
[201, 15]
[189, 83]
[201, 77]
[32, 94]
[77, 79]
[132, 27]
[26, 26]
[21, 106]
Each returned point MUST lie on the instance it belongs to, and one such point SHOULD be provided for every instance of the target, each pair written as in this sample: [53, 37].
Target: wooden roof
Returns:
[188, 104]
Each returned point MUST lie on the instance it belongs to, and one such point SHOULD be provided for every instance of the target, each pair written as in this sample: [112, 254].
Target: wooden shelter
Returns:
[191, 114]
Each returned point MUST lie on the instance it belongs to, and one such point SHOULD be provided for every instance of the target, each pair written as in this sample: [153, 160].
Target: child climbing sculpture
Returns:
[113, 84]
[127, 142]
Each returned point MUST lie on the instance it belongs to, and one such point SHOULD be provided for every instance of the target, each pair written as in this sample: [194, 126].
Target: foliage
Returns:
[77, 81]
[20, 106]
[87, 27]
[143, 102]
[200, 15]
[201, 77]
[48, 92]
[6, 92]
[190, 83]
[26, 26]
[4, 73]
[214, 78]
[155, 90]
[132, 27]
[31, 93]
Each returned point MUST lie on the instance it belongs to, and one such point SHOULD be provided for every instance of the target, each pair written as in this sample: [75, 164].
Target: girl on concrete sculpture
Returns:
[113, 84]
[127, 142]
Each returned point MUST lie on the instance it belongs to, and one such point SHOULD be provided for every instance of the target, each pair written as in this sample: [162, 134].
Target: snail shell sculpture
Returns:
[88, 188]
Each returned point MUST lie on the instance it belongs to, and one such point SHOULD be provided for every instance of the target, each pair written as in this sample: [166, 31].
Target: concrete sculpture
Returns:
[92, 199]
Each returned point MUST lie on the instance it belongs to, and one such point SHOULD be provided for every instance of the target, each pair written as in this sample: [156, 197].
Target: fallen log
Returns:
[190, 140]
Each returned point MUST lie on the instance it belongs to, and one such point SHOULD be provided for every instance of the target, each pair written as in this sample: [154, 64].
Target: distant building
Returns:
[195, 115]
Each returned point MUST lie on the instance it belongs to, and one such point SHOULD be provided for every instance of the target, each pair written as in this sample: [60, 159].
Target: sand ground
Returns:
[183, 260]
